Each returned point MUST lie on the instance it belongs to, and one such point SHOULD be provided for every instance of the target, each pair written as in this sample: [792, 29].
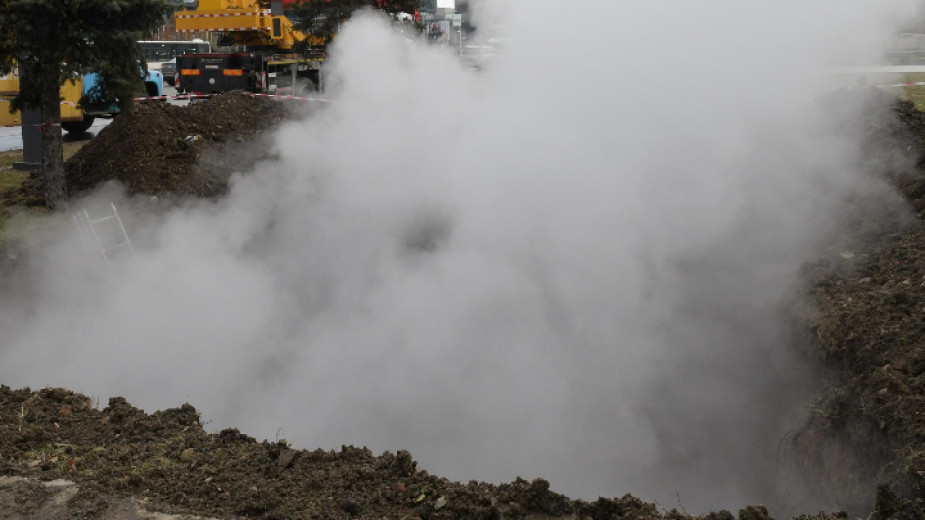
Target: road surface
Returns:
[11, 137]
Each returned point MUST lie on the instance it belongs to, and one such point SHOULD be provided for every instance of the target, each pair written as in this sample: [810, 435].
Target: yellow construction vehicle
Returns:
[73, 118]
[254, 23]
[268, 64]
[79, 105]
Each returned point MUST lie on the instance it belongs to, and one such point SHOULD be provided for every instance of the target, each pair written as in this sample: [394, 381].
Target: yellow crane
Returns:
[253, 23]
[268, 63]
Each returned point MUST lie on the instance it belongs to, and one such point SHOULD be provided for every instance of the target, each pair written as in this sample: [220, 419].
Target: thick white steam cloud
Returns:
[566, 265]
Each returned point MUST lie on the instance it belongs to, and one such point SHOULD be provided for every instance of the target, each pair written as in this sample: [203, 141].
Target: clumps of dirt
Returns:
[903, 141]
[167, 461]
[865, 441]
[163, 149]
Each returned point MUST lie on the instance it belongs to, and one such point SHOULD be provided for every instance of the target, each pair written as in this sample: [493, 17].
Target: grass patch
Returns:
[71, 147]
[21, 223]
[914, 94]
[9, 157]
[10, 178]
[917, 96]
[18, 220]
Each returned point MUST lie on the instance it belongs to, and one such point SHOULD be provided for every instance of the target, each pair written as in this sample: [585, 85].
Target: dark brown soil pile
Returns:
[168, 461]
[866, 322]
[161, 149]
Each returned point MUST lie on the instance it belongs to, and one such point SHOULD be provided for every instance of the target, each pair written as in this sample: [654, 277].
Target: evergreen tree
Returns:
[322, 18]
[53, 41]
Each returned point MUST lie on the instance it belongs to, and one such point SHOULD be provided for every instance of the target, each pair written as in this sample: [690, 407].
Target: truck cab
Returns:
[154, 87]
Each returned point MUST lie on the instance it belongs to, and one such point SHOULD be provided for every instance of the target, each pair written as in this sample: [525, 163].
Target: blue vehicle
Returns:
[154, 87]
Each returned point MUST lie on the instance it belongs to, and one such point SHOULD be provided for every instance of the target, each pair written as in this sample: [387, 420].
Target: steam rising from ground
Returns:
[567, 265]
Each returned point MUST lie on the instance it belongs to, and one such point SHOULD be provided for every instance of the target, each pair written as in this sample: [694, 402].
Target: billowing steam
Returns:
[567, 264]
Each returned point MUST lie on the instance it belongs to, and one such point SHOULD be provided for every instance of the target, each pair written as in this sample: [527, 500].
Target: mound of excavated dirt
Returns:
[866, 322]
[169, 464]
[159, 148]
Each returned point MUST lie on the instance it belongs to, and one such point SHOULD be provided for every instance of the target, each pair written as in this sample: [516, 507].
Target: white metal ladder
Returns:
[102, 236]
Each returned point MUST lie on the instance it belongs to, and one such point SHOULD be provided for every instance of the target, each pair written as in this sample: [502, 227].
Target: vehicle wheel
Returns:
[151, 89]
[306, 89]
[78, 127]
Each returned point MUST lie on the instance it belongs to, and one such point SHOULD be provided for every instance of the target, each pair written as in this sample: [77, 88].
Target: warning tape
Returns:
[282, 96]
[255, 94]
[179, 96]
[898, 85]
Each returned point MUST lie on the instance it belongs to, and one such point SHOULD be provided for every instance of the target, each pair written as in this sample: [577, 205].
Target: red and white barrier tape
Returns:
[183, 96]
[898, 85]
[179, 96]
[201, 96]
[283, 96]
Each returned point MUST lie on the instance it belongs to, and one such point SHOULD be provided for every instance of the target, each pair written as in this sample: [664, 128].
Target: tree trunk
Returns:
[52, 148]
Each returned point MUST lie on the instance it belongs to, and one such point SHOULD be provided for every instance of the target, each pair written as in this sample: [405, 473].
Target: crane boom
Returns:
[248, 22]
